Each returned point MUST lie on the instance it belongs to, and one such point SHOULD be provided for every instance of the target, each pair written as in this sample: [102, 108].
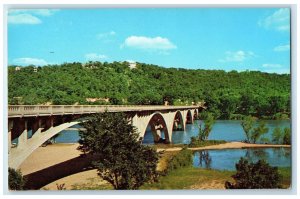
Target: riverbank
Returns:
[229, 145]
[64, 164]
[190, 178]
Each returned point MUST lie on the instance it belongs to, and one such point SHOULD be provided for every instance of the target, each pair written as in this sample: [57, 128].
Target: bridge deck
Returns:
[36, 110]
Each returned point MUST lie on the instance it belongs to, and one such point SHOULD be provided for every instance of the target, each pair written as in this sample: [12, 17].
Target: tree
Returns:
[277, 135]
[205, 131]
[286, 136]
[260, 130]
[258, 175]
[262, 94]
[123, 161]
[247, 125]
[16, 181]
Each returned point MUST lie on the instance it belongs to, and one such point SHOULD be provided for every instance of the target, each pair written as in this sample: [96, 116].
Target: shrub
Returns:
[258, 175]
[16, 181]
[287, 136]
[183, 159]
[197, 143]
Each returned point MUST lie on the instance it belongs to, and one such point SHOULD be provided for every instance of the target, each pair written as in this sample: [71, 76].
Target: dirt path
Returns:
[82, 180]
[229, 145]
[44, 157]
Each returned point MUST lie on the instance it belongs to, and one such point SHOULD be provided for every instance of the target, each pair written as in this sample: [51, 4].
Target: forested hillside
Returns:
[227, 94]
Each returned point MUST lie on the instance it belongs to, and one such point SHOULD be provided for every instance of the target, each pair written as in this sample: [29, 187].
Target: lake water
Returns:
[228, 130]
[226, 159]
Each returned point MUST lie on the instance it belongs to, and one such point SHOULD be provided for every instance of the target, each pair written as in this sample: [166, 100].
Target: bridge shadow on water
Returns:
[38, 179]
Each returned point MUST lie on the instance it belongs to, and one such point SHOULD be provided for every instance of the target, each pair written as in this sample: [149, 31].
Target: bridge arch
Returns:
[158, 126]
[189, 117]
[178, 124]
[22, 151]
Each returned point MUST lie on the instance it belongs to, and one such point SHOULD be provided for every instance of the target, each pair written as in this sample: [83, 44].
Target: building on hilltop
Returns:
[97, 99]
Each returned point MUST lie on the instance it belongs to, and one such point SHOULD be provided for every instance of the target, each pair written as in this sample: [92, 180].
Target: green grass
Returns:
[188, 177]
[166, 146]
[198, 178]
[285, 173]
[206, 143]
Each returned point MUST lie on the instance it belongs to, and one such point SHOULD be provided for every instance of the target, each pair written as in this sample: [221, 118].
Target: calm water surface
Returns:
[229, 130]
[226, 159]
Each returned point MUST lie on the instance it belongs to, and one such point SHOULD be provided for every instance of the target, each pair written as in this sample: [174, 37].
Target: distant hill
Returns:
[227, 94]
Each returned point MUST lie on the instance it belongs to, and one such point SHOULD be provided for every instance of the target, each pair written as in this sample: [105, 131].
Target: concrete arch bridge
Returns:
[33, 125]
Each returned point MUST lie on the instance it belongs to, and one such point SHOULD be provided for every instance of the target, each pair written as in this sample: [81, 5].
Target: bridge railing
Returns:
[40, 110]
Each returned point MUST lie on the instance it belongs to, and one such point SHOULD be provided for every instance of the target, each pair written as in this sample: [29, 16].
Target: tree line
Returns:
[228, 95]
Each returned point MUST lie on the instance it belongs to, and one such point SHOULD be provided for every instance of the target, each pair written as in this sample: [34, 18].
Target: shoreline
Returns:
[228, 145]
[51, 164]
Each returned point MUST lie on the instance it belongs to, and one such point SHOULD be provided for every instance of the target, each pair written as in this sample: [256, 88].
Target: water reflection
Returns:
[226, 159]
[204, 159]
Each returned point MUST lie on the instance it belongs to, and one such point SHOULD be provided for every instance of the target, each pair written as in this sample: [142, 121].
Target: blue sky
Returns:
[197, 38]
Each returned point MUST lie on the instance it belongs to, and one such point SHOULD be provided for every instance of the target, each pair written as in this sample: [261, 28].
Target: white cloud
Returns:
[25, 61]
[238, 56]
[95, 57]
[28, 16]
[148, 43]
[272, 65]
[23, 19]
[282, 48]
[279, 20]
[39, 12]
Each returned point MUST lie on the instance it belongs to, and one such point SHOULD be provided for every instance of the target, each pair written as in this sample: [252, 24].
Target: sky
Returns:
[195, 38]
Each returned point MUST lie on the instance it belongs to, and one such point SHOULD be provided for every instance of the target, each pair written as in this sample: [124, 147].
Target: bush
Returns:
[258, 175]
[183, 159]
[16, 181]
[286, 136]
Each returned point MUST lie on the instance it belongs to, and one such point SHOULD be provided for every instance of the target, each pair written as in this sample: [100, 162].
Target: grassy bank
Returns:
[197, 143]
[198, 178]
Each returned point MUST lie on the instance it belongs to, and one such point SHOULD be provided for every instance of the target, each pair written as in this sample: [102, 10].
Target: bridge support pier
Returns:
[24, 136]
[36, 126]
[10, 126]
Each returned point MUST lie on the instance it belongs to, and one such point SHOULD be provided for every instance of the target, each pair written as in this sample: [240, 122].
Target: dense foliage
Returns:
[258, 175]
[280, 136]
[254, 132]
[204, 130]
[123, 161]
[227, 94]
[182, 159]
[16, 181]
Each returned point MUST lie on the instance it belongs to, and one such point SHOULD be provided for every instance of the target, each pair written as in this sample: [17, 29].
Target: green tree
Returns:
[262, 94]
[277, 136]
[260, 130]
[205, 130]
[247, 125]
[16, 181]
[123, 161]
[286, 136]
[258, 175]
